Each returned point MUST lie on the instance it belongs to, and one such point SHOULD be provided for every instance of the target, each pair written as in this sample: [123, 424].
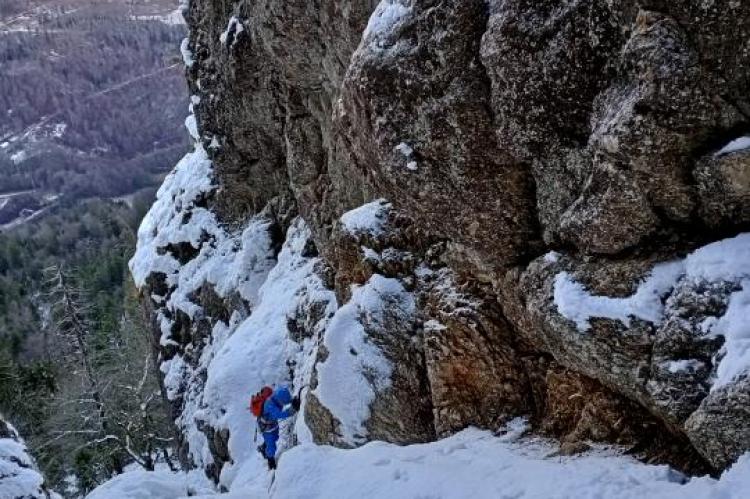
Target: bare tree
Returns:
[109, 402]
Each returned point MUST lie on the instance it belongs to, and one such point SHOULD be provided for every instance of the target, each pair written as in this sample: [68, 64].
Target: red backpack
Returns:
[256, 403]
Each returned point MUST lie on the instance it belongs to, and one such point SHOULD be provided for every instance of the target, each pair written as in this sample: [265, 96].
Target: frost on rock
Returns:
[367, 219]
[356, 370]
[19, 477]
[723, 261]
[262, 349]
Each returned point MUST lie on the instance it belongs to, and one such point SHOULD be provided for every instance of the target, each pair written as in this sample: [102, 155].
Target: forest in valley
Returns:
[77, 373]
[92, 101]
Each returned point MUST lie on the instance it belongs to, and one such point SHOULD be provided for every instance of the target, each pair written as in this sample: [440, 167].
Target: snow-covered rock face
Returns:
[449, 214]
[674, 336]
[19, 477]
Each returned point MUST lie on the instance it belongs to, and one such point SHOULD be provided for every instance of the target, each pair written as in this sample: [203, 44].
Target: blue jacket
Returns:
[273, 408]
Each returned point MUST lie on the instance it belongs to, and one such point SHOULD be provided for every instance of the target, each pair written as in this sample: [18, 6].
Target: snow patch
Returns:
[234, 27]
[386, 17]
[367, 219]
[433, 326]
[684, 365]
[405, 149]
[739, 144]
[575, 303]
[552, 257]
[187, 54]
[192, 125]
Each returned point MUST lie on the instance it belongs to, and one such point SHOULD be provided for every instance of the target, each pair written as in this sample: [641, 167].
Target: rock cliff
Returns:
[428, 215]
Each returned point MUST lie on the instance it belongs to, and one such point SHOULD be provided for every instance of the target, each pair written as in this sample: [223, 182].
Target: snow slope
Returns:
[472, 464]
[259, 352]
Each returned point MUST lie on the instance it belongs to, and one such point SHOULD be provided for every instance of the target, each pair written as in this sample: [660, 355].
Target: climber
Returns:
[270, 407]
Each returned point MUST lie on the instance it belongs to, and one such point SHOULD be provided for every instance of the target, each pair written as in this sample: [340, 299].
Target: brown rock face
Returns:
[415, 113]
[268, 84]
[591, 94]
[724, 187]
[494, 132]
[475, 375]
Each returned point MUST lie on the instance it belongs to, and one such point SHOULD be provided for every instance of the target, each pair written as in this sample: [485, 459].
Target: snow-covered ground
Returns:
[472, 464]
[160, 484]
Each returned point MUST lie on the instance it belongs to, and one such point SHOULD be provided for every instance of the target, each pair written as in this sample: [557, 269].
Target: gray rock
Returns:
[719, 429]
[724, 189]
[415, 114]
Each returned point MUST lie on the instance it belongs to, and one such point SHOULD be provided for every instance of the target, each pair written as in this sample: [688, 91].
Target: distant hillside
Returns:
[92, 97]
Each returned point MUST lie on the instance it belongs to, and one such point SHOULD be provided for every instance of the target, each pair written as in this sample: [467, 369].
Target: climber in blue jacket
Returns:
[278, 406]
